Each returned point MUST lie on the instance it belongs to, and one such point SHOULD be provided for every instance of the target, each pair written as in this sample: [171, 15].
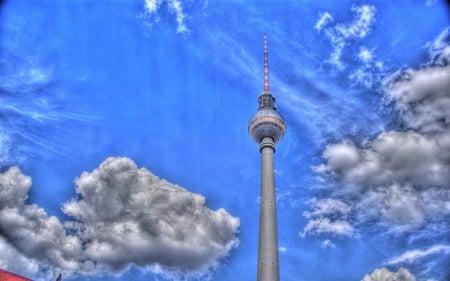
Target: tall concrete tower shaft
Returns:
[267, 128]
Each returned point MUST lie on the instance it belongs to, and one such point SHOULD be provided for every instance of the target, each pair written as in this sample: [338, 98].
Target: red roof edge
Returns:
[9, 276]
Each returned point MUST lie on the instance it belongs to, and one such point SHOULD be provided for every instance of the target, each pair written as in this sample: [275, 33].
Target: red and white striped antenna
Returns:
[266, 65]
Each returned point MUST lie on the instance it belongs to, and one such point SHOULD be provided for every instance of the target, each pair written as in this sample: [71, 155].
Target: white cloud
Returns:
[152, 5]
[329, 216]
[413, 255]
[328, 207]
[175, 7]
[335, 57]
[392, 157]
[365, 55]
[15, 261]
[148, 216]
[340, 34]
[5, 147]
[124, 215]
[423, 97]
[327, 244]
[369, 71]
[39, 76]
[403, 208]
[439, 49]
[363, 77]
[340, 157]
[383, 274]
[325, 225]
[324, 19]
[286, 199]
[29, 229]
[14, 187]
[401, 177]
[361, 26]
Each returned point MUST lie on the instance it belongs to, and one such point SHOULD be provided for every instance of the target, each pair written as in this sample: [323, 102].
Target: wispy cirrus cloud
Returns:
[32, 107]
[348, 36]
[341, 34]
[414, 255]
[425, 261]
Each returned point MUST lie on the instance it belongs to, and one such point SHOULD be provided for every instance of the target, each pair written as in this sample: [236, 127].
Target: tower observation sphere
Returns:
[267, 122]
[267, 128]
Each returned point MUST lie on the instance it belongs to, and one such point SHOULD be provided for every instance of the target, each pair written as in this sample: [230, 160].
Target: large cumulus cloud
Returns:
[401, 178]
[125, 209]
[123, 215]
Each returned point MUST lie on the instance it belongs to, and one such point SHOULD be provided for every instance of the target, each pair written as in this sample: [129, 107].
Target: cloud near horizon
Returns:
[383, 274]
[400, 178]
[123, 216]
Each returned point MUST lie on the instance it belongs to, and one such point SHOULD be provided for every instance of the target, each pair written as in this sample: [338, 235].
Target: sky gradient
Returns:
[124, 152]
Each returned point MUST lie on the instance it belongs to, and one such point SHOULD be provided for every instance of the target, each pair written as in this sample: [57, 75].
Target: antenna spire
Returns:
[266, 65]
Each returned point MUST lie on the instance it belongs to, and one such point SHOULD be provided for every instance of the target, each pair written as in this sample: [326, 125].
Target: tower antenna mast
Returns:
[266, 65]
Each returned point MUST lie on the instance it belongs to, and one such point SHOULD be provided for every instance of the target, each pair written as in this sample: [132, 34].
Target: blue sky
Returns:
[124, 152]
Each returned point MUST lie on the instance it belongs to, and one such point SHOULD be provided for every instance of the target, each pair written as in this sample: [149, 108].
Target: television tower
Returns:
[267, 128]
